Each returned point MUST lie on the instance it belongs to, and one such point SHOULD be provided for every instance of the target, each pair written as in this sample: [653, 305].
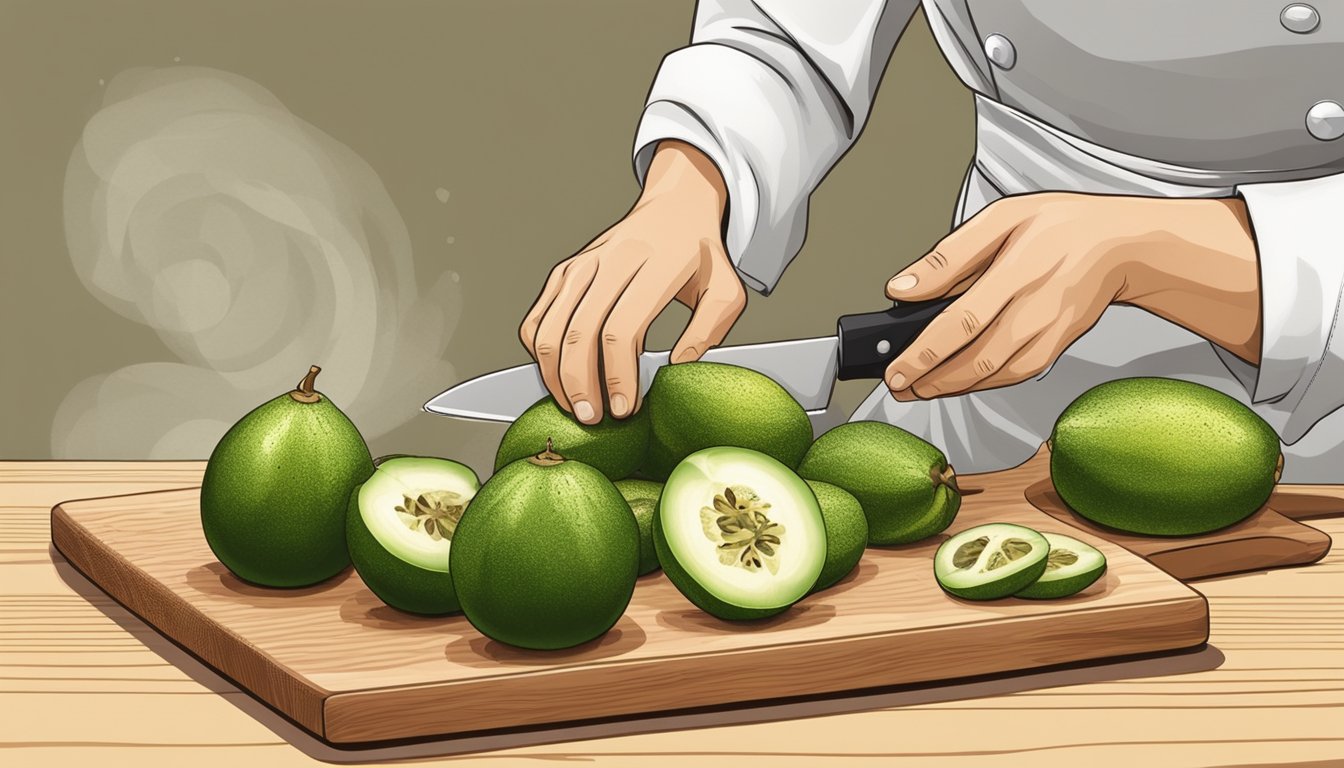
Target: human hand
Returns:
[1034, 272]
[597, 305]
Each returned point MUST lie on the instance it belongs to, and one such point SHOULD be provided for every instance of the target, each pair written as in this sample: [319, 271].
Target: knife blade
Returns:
[806, 368]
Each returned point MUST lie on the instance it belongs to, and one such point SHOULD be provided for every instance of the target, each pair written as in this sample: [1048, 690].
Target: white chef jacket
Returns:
[1201, 98]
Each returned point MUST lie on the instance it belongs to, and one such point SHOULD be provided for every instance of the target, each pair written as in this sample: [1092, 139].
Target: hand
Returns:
[600, 302]
[1036, 271]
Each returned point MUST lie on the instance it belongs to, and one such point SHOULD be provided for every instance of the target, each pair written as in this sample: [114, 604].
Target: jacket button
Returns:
[1300, 18]
[1325, 120]
[1000, 50]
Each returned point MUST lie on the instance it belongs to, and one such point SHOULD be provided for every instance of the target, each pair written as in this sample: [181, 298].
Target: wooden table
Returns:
[84, 681]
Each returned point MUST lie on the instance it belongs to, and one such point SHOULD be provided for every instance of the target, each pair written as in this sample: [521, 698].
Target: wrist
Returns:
[686, 178]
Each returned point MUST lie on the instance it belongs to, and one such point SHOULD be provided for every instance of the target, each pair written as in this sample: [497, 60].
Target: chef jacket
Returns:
[1198, 98]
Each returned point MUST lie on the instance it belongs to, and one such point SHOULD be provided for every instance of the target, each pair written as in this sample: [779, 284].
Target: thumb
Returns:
[713, 317]
[957, 259]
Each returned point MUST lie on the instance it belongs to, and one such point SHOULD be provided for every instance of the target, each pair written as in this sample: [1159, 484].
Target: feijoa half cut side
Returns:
[739, 533]
[991, 561]
[400, 529]
[1070, 567]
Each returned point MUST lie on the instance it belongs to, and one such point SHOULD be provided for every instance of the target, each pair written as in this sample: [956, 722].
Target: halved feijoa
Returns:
[739, 533]
[400, 529]
[642, 496]
[1070, 568]
[846, 532]
[990, 561]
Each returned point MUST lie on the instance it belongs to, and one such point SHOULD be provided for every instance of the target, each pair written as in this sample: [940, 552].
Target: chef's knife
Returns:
[807, 368]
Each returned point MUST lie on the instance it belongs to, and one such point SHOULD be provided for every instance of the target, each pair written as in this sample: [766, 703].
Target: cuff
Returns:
[1299, 238]
[764, 133]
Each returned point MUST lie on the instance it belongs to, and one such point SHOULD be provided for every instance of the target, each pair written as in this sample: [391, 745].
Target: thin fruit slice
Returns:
[400, 529]
[642, 496]
[1071, 567]
[739, 533]
[990, 561]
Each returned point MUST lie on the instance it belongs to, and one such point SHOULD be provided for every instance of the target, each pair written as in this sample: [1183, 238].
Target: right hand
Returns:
[600, 302]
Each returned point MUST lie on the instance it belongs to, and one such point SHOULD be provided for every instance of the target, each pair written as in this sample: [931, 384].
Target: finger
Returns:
[554, 323]
[964, 254]
[1034, 359]
[714, 315]
[579, 375]
[955, 327]
[623, 339]
[1020, 325]
[527, 332]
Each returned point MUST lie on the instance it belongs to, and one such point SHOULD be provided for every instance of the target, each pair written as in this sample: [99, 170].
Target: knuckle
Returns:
[928, 356]
[575, 336]
[546, 350]
[970, 323]
[935, 260]
[986, 366]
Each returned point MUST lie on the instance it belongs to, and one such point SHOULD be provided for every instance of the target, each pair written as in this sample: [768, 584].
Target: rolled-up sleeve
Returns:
[774, 93]
[1299, 234]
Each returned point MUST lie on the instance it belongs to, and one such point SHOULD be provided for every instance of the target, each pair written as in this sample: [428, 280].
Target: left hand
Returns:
[1036, 271]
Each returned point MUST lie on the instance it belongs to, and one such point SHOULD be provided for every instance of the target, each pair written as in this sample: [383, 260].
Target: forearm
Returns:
[679, 172]
[1198, 267]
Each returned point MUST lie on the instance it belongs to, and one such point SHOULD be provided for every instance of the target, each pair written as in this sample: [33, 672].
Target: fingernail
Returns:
[584, 410]
[902, 283]
[897, 382]
[619, 405]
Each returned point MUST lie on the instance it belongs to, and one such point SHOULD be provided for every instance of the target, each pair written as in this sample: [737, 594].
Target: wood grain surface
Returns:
[82, 677]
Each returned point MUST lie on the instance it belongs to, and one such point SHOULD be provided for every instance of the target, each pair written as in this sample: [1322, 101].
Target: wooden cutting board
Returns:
[337, 661]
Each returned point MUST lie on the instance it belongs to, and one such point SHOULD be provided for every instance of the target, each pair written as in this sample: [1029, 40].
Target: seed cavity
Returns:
[1006, 551]
[746, 537]
[1059, 558]
[969, 553]
[434, 513]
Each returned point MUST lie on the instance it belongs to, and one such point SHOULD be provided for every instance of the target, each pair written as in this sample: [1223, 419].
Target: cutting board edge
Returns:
[253, 670]
[369, 715]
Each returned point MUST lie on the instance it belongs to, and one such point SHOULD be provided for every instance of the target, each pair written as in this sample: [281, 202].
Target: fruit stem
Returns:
[305, 393]
[947, 476]
[548, 457]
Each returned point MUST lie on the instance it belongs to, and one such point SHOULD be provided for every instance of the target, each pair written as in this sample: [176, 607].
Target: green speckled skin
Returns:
[1162, 457]
[400, 584]
[275, 491]
[615, 446]
[698, 405]
[846, 532]
[887, 470]
[642, 496]
[545, 557]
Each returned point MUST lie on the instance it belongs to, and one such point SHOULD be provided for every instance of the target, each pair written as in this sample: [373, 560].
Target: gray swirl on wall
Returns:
[253, 244]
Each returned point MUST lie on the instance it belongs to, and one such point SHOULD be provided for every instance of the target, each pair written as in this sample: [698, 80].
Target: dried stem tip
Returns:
[548, 457]
[305, 393]
[947, 476]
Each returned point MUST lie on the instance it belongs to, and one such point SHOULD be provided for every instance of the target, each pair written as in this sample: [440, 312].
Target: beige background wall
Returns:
[523, 111]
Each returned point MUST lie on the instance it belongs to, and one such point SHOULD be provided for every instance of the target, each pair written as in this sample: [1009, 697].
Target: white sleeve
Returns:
[1299, 234]
[774, 92]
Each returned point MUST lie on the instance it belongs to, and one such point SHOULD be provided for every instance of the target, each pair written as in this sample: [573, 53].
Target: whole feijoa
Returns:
[400, 530]
[1162, 457]
[739, 534]
[698, 405]
[642, 496]
[546, 554]
[846, 532]
[617, 447]
[276, 488]
[904, 484]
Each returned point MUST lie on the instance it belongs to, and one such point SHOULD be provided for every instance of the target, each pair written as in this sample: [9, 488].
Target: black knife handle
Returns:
[870, 341]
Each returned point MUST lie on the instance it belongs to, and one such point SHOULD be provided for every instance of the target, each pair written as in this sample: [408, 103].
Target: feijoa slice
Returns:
[991, 561]
[1071, 567]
